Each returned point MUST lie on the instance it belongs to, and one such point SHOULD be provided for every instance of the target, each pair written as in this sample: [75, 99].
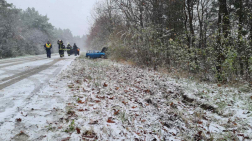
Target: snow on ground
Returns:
[13, 69]
[113, 101]
[22, 67]
[104, 100]
[28, 105]
[22, 57]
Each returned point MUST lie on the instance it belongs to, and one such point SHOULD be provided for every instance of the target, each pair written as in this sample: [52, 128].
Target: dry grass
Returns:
[131, 63]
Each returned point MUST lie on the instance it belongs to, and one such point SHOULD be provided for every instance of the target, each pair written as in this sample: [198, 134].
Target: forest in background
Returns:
[211, 39]
[24, 32]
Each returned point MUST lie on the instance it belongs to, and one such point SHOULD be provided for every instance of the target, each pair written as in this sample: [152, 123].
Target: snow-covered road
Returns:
[29, 96]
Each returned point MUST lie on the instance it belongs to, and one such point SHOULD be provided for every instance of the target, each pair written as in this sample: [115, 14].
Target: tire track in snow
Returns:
[5, 61]
[39, 86]
[20, 76]
[6, 71]
[22, 61]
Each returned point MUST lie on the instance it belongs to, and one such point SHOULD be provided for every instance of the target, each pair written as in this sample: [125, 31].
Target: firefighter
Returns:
[69, 48]
[71, 51]
[75, 49]
[61, 48]
[48, 47]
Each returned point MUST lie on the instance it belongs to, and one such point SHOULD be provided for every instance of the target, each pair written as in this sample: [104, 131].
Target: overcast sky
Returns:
[72, 14]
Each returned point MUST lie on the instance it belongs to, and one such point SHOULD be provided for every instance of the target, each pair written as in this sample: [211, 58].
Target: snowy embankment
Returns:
[113, 101]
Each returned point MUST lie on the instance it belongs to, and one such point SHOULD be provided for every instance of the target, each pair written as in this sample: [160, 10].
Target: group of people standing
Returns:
[70, 49]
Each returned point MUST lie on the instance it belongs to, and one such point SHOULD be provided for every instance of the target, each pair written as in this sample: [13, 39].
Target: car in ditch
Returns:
[95, 54]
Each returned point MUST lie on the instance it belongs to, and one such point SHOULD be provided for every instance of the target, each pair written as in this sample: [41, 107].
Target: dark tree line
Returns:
[24, 32]
[210, 38]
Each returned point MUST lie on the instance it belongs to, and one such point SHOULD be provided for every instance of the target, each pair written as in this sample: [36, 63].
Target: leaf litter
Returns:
[123, 102]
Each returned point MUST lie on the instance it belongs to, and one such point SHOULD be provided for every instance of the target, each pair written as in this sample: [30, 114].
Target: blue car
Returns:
[95, 54]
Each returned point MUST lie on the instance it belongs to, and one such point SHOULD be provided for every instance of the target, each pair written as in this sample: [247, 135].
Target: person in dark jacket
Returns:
[75, 49]
[48, 47]
[61, 48]
[69, 49]
[78, 51]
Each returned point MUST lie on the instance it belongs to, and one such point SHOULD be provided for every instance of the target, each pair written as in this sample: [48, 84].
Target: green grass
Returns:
[71, 127]
[221, 105]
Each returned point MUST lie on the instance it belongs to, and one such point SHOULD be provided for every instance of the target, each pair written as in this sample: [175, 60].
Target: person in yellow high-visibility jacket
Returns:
[48, 47]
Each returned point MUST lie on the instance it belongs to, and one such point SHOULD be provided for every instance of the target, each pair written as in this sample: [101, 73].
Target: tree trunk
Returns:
[223, 27]
[250, 38]
[240, 46]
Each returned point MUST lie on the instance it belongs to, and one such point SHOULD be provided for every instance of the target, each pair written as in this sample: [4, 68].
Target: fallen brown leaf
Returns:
[102, 97]
[117, 88]
[105, 85]
[146, 91]
[171, 104]
[200, 122]
[240, 135]
[110, 120]
[18, 119]
[81, 102]
[134, 107]
[97, 101]
[137, 133]
[116, 112]
[89, 134]
[125, 103]
[143, 121]
[78, 130]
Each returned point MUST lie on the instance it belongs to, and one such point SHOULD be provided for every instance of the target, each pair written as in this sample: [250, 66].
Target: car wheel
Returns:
[102, 56]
